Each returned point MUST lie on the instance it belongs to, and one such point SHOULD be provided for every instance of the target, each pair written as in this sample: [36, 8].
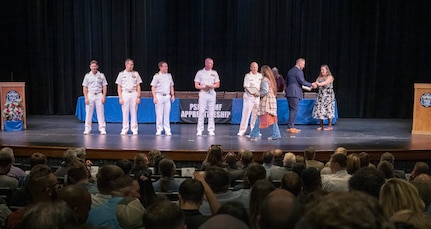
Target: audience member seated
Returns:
[167, 182]
[353, 163]
[311, 180]
[43, 187]
[253, 173]
[81, 153]
[409, 219]
[300, 159]
[78, 199]
[395, 188]
[165, 215]
[191, 195]
[235, 173]
[78, 174]
[345, 210]
[140, 166]
[224, 221]
[116, 201]
[14, 171]
[277, 172]
[280, 210]
[338, 180]
[390, 157]
[35, 159]
[214, 157]
[365, 160]
[125, 165]
[420, 168]
[267, 158]
[246, 159]
[278, 157]
[327, 170]
[386, 168]
[235, 209]
[368, 180]
[298, 168]
[310, 156]
[260, 190]
[49, 215]
[292, 183]
[218, 180]
[424, 190]
[154, 155]
[68, 155]
[5, 166]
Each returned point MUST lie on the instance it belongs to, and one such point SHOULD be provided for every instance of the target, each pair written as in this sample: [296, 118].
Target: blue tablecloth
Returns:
[146, 111]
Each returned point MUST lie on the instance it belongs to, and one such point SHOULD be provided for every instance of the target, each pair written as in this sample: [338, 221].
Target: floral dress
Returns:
[324, 106]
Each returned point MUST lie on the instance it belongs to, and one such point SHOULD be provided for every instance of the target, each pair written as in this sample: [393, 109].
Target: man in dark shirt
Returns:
[191, 193]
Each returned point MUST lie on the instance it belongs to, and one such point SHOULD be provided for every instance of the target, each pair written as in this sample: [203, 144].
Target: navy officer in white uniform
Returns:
[162, 88]
[129, 93]
[94, 89]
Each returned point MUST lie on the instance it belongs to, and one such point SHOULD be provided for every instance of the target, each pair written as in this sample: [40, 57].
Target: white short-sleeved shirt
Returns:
[94, 82]
[162, 82]
[252, 80]
[205, 77]
[128, 80]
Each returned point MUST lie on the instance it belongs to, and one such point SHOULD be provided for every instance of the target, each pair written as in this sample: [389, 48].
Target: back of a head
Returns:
[49, 215]
[235, 209]
[68, 155]
[278, 155]
[140, 160]
[289, 159]
[105, 176]
[78, 199]
[254, 173]
[258, 193]
[163, 214]
[311, 179]
[153, 155]
[167, 167]
[339, 158]
[364, 157]
[410, 219]
[267, 157]
[217, 178]
[387, 157]
[230, 159]
[5, 162]
[81, 153]
[39, 178]
[223, 221]
[345, 210]
[310, 153]
[341, 150]
[367, 180]
[7, 151]
[292, 183]
[280, 210]
[353, 163]
[246, 157]
[421, 167]
[390, 196]
[37, 158]
[215, 155]
[77, 171]
[125, 165]
[191, 190]
[386, 168]
[121, 185]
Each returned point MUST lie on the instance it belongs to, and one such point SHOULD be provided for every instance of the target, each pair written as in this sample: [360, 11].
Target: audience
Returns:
[49, 215]
[224, 221]
[5, 166]
[411, 219]
[353, 163]
[78, 199]
[292, 183]
[368, 180]
[164, 214]
[167, 182]
[419, 169]
[310, 156]
[214, 157]
[232, 168]
[125, 165]
[258, 193]
[235, 209]
[386, 168]
[14, 171]
[276, 172]
[338, 180]
[364, 157]
[390, 157]
[191, 195]
[68, 156]
[398, 194]
[78, 174]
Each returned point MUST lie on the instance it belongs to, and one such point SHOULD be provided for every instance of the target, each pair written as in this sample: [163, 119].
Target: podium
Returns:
[422, 109]
[10, 91]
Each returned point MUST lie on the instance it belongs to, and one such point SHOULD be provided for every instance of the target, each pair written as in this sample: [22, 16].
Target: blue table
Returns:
[146, 111]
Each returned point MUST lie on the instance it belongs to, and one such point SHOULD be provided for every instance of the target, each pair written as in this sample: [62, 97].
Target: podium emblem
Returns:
[426, 100]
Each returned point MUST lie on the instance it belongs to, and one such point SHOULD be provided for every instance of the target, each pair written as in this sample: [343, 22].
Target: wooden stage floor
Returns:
[371, 135]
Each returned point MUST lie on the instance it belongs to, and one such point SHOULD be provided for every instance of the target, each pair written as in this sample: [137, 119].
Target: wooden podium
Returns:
[9, 88]
[422, 109]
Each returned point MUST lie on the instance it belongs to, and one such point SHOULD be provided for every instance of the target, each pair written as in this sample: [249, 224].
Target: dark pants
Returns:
[293, 109]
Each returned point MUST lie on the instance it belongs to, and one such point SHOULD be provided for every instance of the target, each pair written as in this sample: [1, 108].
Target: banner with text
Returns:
[189, 110]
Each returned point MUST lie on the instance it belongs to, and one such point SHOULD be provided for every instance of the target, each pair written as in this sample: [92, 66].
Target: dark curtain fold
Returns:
[376, 49]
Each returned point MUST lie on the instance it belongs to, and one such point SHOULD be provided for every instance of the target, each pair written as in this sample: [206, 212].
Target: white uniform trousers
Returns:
[94, 100]
[250, 106]
[206, 101]
[163, 110]
[129, 105]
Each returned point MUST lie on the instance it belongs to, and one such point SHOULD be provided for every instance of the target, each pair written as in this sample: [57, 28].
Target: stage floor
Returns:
[353, 134]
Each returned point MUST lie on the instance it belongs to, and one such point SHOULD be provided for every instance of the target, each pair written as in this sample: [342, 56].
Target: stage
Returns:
[53, 134]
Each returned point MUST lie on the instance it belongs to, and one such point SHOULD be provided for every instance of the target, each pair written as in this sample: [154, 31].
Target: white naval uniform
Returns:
[129, 82]
[250, 102]
[207, 99]
[163, 83]
[94, 84]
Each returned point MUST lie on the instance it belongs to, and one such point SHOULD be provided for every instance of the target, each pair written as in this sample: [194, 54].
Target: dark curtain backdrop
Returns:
[376, 49]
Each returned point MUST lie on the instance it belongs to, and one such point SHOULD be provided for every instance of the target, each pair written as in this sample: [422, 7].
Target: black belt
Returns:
[130, 91]
[96, 93]
[162, 94]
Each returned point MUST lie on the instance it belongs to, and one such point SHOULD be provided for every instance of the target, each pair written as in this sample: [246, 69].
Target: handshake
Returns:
[313, 85]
